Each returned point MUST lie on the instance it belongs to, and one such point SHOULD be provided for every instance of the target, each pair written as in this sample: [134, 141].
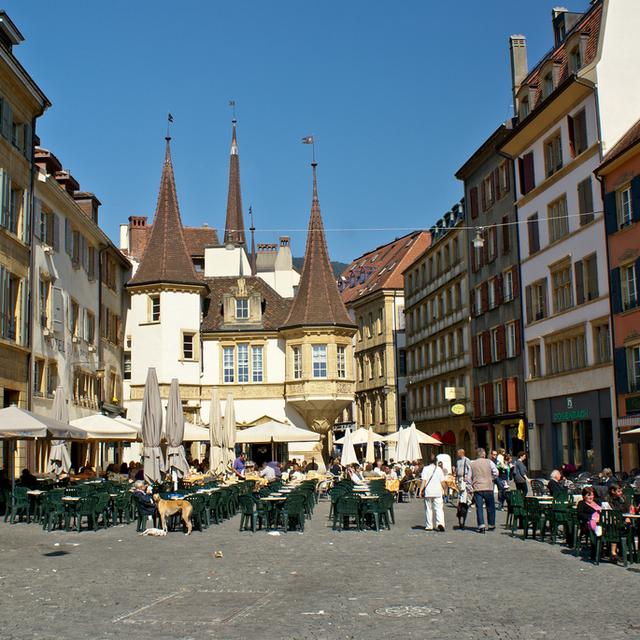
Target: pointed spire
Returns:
[234, 225]
[318, 300]
[166, 258]
[252, 228]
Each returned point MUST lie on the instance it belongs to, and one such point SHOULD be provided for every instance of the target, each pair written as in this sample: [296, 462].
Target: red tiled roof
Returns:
[274, 307]
[234, 224]
[165, 257]
[588, 24]
[196, 238]
[382, 268]
[318, 301]
[631, 137]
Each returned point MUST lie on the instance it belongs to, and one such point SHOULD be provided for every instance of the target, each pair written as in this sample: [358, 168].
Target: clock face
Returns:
[457, 409]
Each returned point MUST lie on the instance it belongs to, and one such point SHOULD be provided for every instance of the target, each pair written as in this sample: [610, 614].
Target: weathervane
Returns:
[169, 121]
[232, 104]
[311, 140]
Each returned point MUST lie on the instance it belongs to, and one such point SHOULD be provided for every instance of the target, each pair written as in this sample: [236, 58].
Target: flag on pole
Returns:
[307, 140]
[232, 103]
[169, 117]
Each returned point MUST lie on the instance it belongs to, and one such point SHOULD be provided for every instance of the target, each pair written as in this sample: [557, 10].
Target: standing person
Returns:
[463, 475]
[483, 474]
[520, 473]
[239, 465]
[431, 488]
[501, 480]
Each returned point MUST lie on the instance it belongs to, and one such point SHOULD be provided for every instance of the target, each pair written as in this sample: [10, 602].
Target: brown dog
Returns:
[168, 508]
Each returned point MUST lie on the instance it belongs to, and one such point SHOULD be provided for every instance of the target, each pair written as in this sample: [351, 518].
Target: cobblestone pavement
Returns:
[321, 584]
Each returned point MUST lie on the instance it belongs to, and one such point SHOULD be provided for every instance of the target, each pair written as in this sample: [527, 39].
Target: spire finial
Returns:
[234, 122]
[167, 153]
[252, 228]
[314, 166]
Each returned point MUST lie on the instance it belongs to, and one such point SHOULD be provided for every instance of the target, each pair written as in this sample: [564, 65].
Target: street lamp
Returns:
[478, 241]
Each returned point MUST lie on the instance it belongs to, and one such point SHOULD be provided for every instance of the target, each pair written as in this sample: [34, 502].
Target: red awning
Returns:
[449, 438]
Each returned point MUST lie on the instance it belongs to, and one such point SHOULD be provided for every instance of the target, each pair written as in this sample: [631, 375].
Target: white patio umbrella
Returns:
[152, 428]
[272, 432]
[423, 438]
[401, 444]
[229, 430]
[413, 446]
[370, 455]
[174, 427]
[59, 458]
[103, 428]
[361, 436]
[194, 433]
[348, 452]
[215, 432]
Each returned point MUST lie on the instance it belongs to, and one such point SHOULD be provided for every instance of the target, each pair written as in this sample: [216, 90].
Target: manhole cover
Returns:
[407, 611]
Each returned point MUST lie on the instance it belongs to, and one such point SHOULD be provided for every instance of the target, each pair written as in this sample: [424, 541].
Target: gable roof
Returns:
[382, 268]
[628, 140]
[317, 301]
[275, 307]
[165, 258]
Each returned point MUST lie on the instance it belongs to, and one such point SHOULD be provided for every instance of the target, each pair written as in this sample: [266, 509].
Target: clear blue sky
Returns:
[398, 95]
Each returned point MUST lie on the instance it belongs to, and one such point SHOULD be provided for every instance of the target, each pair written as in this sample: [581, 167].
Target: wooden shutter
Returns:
[572, 137]
[474, 352]
[534, 234]
[56, 231]
[616, 294]
[512, 395]
[529, 175]
[635, 199]
[518, 337]
[473, 197]
[521, 176]
[494, 235]
[592, 277]
[58, 311]
[507, 176]
[529, 304]
[496, 184]
[7, 120]
[620, 366]
[486, 346]
[506, 231]
[67, 236]
[544, 298]
[579, 282]
[484, 196]
[610, 214]
[37, 216]
[488, 394]
[499, 290]
[485, 248]
[515, 281]
[472, 302]
[28, 140]
[502, 347]
[484, 296]
[476, 401]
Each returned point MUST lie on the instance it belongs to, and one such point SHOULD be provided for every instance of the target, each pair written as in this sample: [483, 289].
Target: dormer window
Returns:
[575, 60]
[547, 85]
[525, 108]
[242, 309]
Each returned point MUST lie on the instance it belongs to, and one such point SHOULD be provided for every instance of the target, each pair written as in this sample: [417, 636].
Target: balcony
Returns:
[441, 368]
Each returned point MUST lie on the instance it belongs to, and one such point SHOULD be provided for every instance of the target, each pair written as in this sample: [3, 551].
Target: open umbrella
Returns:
[174, 430]
[215, 432]
[361, 436]
[59, 459]
[105, 429]
[413, 446]
[370, 455]
[348, 452]
[272, 432]
[152, 428]
[229, 430]
[423, 438]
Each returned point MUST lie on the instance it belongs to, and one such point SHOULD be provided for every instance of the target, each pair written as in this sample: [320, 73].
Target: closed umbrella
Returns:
[361, 436]
[174, 431]
[215, 432]
[348, 452]
[401, 446]
[152, 428]
[230, 430]
[370, 455]
[413, 446]
[59, 459]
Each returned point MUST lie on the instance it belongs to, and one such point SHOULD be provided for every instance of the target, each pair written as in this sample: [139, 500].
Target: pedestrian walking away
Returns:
[431, 488]
[483, 474]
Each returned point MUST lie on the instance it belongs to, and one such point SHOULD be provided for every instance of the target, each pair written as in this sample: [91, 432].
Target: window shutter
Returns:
[476, 400]
[28, 140]
[506, 230]
[518, 337]
[58, 313]
[529, 304]
[507, 176]
[572, 137]
[610, 216]
[56, 232]
[579, 282]
[494, 235]
[472, 302]
[26, 216]
[592, 277]
[7, 120]
[515, 280]
[637, 273]
[474, 353]
[635, 199]
[521, 176]
[544, 298]
[496, 185]
[621, 371]
[24, 312]
[484, 296]
[6, 198]
[512, 395]
[37, 216]
[485, 247]
[488, 390]
[473, 196]
[502, 347]
[484, 196]
[616, 299]
[529, 177]
[486, 347]
[67, 236]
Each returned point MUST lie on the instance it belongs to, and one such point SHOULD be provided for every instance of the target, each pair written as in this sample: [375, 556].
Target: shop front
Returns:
[576, 431]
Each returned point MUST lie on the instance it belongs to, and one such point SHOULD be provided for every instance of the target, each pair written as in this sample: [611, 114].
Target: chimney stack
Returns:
[138, 235]
[519, 66]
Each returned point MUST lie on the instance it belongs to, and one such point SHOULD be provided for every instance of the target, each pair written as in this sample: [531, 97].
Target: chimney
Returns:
[519, 66]
[67, 181]
[88, 203]
[138, 235]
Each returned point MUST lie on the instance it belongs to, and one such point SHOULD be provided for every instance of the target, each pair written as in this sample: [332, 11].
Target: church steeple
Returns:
[234, 224]
[166, 259]
[318, 302]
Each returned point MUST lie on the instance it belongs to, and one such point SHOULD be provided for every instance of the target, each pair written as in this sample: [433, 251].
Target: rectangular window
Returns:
[342, 362]
[511, 339]
[319, 352]
[126, 372]
[488, 193]
[634, 368]
[15, 200]
[625, 212]
[578, 133]
[38, 377]
[601, 343]
[90, 329]
[498, 397]
[492, 243]
[297, 363]
[52, 378]
[243, 363]
[566, 353]
[228, 365]
[492, 293]
[507, 285]
[558, 220]
[483, 400]
[561, 284]
[585, 201]
[537, 300]
[478, 300]
[256, 364]
[534, 234]
[494, 345]
[91, 263]
[506, 235]
[44, 292]
[629, 287]
[480, 348]
[188, 352]
[154, 308]
[534, 361]
[402, 362]
[553, 155]
[242, 308]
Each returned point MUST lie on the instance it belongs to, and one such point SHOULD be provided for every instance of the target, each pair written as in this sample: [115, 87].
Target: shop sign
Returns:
[457, 409]
[569, 416]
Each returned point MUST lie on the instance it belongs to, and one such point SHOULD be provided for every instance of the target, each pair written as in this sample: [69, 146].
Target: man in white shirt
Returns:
[431, 489]
[267, 472]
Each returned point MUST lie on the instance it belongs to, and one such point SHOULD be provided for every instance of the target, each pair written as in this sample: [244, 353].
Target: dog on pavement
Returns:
[167, 508]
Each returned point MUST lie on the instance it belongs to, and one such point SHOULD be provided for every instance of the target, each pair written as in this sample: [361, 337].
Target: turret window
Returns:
[342, 362]
[154, 308]
[242, 308]
[319, 360]
[297, 362]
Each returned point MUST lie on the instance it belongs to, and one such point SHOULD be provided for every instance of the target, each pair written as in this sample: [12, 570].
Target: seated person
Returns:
[618, 502]
[368, 472]
[267, 472]
[27, 479]
[336, 467]
[313, 465]
[354, 474]
[142, 494]
[296, 473]
[588, 511]
[555, 483]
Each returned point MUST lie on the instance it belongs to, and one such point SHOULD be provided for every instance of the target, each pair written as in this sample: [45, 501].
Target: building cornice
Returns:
[157, 287]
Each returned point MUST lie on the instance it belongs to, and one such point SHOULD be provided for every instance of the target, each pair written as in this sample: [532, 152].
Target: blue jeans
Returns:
[502, 491]
[481, 498]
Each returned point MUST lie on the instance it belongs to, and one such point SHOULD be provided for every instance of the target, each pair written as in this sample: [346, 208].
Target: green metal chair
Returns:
[347, 507]
[198, 516]
[559, 515]
[53, 509]
[252, 513]
[536, 517]
[614, 531]
[20, 505]
[515, 509]
[378, 511]
[293, 511]
[84, 508]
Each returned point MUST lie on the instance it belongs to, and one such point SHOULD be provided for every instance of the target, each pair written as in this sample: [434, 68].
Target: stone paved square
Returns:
[321, 584]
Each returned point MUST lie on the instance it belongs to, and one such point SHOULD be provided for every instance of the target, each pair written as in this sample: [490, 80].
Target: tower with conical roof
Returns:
[234, 223]
[318, 332]
[166, 295]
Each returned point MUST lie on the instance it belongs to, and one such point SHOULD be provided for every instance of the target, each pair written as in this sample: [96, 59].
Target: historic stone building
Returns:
[494, 296]
[372, 288]
[243, 321]
[436, 292]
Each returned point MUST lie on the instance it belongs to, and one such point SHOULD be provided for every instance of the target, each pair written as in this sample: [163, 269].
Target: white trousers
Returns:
[433, 506]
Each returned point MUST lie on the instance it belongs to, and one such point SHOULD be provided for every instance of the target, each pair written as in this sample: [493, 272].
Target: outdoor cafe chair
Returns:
[614, 531]
[198, 515]
[293, 512]
[515, 510]
[538, 488]
[536, 517]
[53, 509]
[123, 507]
[101, 509]
[20, 505]
[253, 513]
[346, 508]
[83, 508]
[378, 512]
[559, 515]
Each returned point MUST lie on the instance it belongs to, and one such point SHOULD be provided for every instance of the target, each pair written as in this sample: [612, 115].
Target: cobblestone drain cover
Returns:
[198, 607]
[408, 611]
